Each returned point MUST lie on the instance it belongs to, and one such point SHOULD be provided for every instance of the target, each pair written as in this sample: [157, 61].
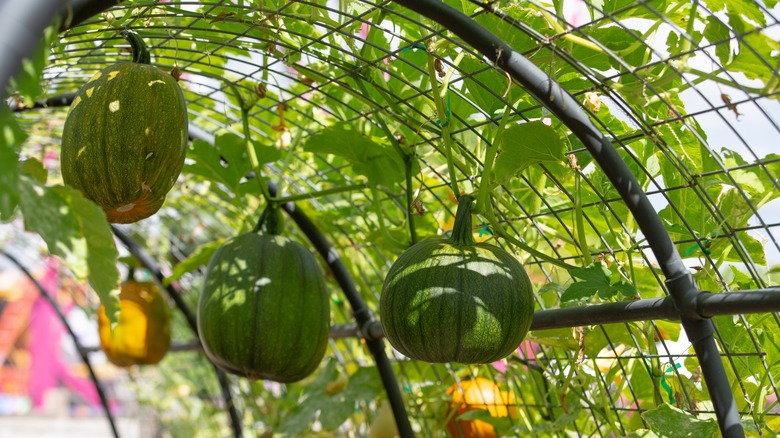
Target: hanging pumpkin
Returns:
[454, 300]
[142, 333]
[125, 137]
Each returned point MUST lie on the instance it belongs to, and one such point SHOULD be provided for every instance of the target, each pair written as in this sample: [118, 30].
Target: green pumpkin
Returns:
[453, 300]
[264, 311]
[125, 137]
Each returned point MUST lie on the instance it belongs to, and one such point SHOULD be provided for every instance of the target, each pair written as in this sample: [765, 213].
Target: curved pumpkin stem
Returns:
[461, 230]
[140, 52]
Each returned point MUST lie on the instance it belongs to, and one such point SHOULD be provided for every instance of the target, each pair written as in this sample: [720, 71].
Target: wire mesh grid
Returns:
[668, 82]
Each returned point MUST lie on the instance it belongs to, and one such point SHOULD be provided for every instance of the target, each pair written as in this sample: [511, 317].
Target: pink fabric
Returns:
[45, 333]
[527, 350]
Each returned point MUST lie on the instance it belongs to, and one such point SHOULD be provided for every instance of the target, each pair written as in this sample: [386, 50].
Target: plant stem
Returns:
[444, 124]
[558, 29]
[320, 193]
[408, 158]
[582, 238]
[286, 163]
[381, 218]
[253, 161]
[487, 169]
[410, 200]
[494, 224]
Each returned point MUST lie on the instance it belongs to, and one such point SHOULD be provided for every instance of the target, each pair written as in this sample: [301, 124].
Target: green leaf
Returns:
[299, 420]
[741, 281]
[11, 136]
[668, 421]
[75, 229]
[717, 33]
[198, 258]
[379, 163]
[364, 385]
[486, 87]
[34, 169]
[524, 145]
[266, 154]
[226, 161]
[595, 278]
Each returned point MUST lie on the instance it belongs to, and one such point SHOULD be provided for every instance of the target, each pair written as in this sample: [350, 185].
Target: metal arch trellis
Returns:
[696, 302]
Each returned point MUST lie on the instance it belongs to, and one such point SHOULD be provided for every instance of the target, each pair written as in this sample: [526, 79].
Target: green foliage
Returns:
[363, 385]
[596, 280]
[525, 145]
[76, 230]
[359, 109]
[671, 422]
[377, 162]
[10, 140]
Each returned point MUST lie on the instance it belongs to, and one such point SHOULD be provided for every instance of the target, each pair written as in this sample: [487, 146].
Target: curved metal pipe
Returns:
[360, 311]
[80, 348]
[23, 23]
[149, 263]
[679, 281]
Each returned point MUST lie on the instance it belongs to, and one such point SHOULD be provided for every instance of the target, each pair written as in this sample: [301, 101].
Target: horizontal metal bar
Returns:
[733, 303]
[608, 313]
[707, 306]
[190, 346]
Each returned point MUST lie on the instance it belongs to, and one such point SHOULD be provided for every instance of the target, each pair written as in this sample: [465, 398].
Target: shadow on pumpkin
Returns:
[457, 305]
[264, 311]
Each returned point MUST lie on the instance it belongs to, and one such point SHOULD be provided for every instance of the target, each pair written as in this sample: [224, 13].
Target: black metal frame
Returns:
[679, 281]
[685, 301]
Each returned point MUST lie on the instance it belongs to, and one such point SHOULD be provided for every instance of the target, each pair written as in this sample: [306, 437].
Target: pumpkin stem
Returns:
[140, 52]
[461, 230]
[131, 273]
[271, 220]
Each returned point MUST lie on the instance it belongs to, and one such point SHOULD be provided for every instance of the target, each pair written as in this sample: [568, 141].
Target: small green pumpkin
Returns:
[125, 137]
[454, 300]
[264, 311]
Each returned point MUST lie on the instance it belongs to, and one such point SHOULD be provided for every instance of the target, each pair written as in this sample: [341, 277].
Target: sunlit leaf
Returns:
[524, 145]
[76, 230]
[666, 420]
[379, 163]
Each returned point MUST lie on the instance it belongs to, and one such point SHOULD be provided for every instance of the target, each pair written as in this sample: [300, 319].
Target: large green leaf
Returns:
[76, 230]
[525, 145]
[377, 162]
[668, 421]
[596, 280]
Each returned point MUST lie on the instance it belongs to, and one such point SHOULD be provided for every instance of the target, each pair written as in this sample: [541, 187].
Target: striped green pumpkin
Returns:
[264, 311]
[125, 137]
[453, 300]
